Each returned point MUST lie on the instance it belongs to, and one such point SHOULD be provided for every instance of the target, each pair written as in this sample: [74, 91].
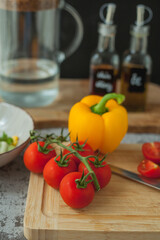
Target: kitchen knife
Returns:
[154, 183]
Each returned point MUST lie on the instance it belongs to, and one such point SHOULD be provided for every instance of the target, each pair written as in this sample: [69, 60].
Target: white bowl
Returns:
[14, 122]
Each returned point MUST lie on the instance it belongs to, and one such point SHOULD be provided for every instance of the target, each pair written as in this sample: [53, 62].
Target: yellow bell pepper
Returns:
[100, 121]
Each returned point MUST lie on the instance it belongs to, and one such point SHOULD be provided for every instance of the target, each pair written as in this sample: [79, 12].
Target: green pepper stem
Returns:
[84, 160]
[100, 107]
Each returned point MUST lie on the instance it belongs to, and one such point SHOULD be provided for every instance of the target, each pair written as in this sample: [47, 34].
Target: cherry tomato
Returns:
[103, 173]
[149, 169]
[35, 160]
[53, 173]
[151, 151]
[73, 196]
[86, 151]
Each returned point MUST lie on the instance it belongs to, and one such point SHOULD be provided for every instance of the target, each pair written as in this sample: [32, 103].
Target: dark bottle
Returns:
[136, 66]
[104, 64]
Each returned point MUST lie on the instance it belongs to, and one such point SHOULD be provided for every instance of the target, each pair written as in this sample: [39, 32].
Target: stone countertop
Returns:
[14, 179]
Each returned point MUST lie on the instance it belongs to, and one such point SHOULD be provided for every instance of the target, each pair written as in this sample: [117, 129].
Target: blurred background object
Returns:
[77, 66]
[104, 64]
[30, 55]
[137, 63]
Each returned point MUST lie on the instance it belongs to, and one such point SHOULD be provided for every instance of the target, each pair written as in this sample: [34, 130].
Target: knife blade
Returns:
[154, 183]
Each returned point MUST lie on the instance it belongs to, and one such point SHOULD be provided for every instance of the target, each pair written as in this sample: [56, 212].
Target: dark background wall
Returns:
[77, 65]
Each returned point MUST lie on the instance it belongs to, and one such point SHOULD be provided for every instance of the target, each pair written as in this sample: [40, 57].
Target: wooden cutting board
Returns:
[72, 91]
[124, 210]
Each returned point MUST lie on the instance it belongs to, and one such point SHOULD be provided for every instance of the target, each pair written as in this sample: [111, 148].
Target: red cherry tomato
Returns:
[149, 169]
[103, 173]
[73, 196]
[151, 151]
[35, 160]
[53, 173]
[86, 151]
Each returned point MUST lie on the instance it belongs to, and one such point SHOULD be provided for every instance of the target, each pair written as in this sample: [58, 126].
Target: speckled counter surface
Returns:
[14, 179]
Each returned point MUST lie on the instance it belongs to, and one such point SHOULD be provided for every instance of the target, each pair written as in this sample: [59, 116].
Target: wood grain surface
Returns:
[71, 91]
[124, 210]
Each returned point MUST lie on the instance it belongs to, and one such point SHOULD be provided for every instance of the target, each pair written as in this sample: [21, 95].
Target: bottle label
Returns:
[136, 79]
[103, 81]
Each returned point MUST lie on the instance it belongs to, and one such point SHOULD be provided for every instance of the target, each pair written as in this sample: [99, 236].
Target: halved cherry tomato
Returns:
[35, 160]
[84, 152]
[53, 173]
[103, 173]
[149, 169]
[73, 196]
[151, 151]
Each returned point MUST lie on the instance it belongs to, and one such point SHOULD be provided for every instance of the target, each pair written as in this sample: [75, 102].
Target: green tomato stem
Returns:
[84, 160]
[100, 107]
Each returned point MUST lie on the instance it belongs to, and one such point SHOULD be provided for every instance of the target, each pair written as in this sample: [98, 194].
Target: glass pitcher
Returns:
[29, 50]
